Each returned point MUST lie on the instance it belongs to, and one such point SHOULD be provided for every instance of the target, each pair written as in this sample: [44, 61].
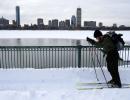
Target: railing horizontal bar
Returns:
[126, 46]
[53, 56]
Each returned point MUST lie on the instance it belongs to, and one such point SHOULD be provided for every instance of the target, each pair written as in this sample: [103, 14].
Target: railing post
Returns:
[79, 56]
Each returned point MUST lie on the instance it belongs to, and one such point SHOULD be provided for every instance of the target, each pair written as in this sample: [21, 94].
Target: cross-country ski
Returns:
[91, 86]
[102, 87]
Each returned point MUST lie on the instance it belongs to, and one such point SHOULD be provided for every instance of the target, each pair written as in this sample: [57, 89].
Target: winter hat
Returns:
[97, 33]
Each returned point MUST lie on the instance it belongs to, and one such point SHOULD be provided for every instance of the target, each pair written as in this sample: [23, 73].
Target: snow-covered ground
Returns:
[57, 84]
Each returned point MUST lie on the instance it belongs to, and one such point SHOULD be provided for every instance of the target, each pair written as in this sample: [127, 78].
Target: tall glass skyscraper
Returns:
[18, 16]
[73, 22]
[78, 17]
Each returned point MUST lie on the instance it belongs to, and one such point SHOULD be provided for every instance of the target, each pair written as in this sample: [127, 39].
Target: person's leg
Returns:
[109, 68]
[112, 65]
[113, 62]
[115, 72]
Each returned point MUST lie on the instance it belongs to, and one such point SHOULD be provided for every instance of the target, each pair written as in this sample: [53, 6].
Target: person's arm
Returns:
[97, 44]
[91, 41]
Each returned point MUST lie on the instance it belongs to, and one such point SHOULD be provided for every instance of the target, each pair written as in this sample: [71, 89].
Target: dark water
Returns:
[44, 42]
[41, 42]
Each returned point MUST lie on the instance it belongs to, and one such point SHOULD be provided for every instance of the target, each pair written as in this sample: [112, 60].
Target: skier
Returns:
[111, 51]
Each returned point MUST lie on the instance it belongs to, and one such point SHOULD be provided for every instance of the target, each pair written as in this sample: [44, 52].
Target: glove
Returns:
[90, 40]
[87, 38]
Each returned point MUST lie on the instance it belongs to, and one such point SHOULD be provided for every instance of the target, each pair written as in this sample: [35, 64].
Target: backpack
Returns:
[117, 40]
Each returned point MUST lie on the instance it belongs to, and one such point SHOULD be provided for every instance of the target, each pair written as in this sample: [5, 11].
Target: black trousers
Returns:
[112, 66]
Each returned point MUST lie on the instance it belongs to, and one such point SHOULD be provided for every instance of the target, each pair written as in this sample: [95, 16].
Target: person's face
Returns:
[99, 38]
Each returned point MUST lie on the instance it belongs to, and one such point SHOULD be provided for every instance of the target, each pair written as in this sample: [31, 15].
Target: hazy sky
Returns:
[106, 11]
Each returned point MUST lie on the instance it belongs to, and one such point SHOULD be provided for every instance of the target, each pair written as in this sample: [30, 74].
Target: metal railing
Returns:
[55, 57]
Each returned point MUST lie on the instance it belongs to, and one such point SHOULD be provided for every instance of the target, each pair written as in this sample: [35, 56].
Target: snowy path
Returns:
[57, 84]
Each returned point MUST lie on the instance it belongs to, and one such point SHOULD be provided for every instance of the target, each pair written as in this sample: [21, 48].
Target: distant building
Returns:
[55, 24]
[40, 21]
[90, 24]
[18, 16]
[73, 22]
[114, 25]
[26, 26]
[100, 24]
[78, 17]
[122, 26]
[62, 25]
[14, 23]
[67, 24]
[4, 22]
[49, 23]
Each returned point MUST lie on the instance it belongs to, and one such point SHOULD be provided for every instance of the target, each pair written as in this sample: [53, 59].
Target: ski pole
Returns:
[94, 64]
[101, 68]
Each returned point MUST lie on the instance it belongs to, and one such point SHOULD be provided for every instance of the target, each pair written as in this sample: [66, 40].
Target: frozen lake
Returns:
[49, 38]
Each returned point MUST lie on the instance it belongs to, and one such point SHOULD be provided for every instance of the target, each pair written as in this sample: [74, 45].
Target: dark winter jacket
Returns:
[106, 43]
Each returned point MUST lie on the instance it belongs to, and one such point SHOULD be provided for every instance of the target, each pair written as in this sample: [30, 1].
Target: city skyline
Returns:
[108, 12]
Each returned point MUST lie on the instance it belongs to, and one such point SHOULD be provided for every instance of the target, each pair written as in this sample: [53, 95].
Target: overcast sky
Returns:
[106, 11]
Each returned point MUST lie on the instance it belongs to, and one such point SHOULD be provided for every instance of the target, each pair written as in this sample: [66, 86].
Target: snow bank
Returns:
[57, 84]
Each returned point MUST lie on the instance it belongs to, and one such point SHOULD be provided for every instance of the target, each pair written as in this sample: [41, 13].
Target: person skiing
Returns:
[112, 57]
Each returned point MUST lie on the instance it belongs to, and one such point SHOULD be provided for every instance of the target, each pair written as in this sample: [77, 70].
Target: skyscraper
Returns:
[73, 22]
[78, 17]
[18, 16]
